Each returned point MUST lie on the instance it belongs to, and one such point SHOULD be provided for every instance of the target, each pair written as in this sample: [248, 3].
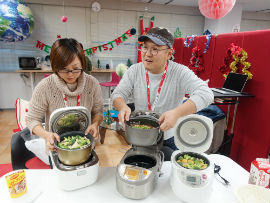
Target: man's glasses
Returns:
[153, 51]
[70, 71]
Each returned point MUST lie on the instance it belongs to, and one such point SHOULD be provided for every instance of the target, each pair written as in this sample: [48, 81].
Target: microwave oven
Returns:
[27, 63]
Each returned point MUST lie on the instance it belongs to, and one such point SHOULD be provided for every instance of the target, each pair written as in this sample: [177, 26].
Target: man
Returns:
[159, 85]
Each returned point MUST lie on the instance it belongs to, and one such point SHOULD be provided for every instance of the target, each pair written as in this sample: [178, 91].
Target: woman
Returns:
[68, 86]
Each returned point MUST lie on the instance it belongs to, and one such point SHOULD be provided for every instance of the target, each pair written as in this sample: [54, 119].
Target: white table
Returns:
[104, 190]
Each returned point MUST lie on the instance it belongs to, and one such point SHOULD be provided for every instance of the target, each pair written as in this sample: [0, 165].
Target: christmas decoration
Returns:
[64, 19]
[43, 46]
[16, 21]
[88, 65]
[207, 32]
[215, 9]
[208, 37]
[191, 39]
[196, 60]
[121, 69]
[177, 33]
[129, 63]
[98, 64]
[104, 47]
[143, 31]
[235, 61]
[108, 118]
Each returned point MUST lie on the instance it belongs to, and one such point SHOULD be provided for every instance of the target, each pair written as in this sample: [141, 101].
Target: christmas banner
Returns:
[91, 51]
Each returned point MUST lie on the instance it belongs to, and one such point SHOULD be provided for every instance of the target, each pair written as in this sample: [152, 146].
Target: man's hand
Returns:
[124, 114]
[93, 129]
[168, 120]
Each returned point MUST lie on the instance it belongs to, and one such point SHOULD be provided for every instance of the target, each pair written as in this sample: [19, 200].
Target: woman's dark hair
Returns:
[64, 51]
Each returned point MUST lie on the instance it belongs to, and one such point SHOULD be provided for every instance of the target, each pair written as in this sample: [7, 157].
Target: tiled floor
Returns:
[109, 153]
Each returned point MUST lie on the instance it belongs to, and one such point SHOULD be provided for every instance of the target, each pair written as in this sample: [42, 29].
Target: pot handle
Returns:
[161, 154]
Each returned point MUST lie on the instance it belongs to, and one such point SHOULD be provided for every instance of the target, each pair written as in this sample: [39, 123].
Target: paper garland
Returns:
[235, 61]
[91, 51]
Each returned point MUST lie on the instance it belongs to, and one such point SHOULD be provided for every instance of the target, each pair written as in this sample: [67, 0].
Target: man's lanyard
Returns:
[159, 88]
[78, 100]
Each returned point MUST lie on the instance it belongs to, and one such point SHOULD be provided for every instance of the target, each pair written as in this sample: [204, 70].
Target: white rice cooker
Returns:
[138, 170]
[193, 136]
[78, 168]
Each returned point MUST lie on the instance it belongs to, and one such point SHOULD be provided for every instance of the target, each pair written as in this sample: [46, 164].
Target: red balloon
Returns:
[64, 19]
[215, 9]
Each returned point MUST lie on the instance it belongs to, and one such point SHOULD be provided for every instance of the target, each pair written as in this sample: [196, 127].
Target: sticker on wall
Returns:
[177, 33]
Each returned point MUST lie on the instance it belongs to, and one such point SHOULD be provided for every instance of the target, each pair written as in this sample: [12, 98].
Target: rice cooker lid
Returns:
[193, 133]
[145, 114]
[75, 118]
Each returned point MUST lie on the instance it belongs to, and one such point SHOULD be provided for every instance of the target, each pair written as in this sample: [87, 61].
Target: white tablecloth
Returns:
[43, 185]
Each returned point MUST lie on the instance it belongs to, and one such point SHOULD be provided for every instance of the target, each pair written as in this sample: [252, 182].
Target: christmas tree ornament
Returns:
[64, 19]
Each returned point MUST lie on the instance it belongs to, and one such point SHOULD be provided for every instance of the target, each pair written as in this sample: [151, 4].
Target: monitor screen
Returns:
[235, 81]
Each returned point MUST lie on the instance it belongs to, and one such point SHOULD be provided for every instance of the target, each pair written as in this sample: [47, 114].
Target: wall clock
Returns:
[96, 6]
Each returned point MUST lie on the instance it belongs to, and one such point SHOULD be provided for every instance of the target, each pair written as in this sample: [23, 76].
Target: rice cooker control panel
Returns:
[133, 173]
[192, 179]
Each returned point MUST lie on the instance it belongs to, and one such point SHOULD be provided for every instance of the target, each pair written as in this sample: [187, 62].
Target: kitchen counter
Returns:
[102, 75]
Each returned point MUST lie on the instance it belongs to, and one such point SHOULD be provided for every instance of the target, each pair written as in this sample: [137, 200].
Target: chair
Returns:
[114, 82]
[21, 157]
[21, 111]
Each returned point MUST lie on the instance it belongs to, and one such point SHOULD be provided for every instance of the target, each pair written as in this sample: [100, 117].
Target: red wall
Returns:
[252, 125]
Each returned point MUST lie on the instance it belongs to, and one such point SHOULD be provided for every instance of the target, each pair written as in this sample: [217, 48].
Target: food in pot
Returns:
[74, 142]
[142, 126]
[67, 120]
[190, 162]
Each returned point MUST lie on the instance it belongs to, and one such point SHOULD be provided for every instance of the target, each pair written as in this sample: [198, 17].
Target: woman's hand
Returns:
[50, 136]
[93, 130]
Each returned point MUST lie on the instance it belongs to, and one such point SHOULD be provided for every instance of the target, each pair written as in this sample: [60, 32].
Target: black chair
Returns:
[19, 153]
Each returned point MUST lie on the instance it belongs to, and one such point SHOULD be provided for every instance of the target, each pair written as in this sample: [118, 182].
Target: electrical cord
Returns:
[217, 168]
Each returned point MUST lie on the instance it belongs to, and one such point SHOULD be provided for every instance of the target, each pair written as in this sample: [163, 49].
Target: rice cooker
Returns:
[138, 170]
[74, 168]
[192, 135]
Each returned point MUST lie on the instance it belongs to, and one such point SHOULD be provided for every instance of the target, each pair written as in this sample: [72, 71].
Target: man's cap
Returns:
[160, 36]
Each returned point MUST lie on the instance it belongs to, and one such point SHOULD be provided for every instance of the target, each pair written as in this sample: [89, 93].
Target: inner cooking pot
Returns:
[195, 155]
[142, 137]
[74, 156]
[141, 161]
